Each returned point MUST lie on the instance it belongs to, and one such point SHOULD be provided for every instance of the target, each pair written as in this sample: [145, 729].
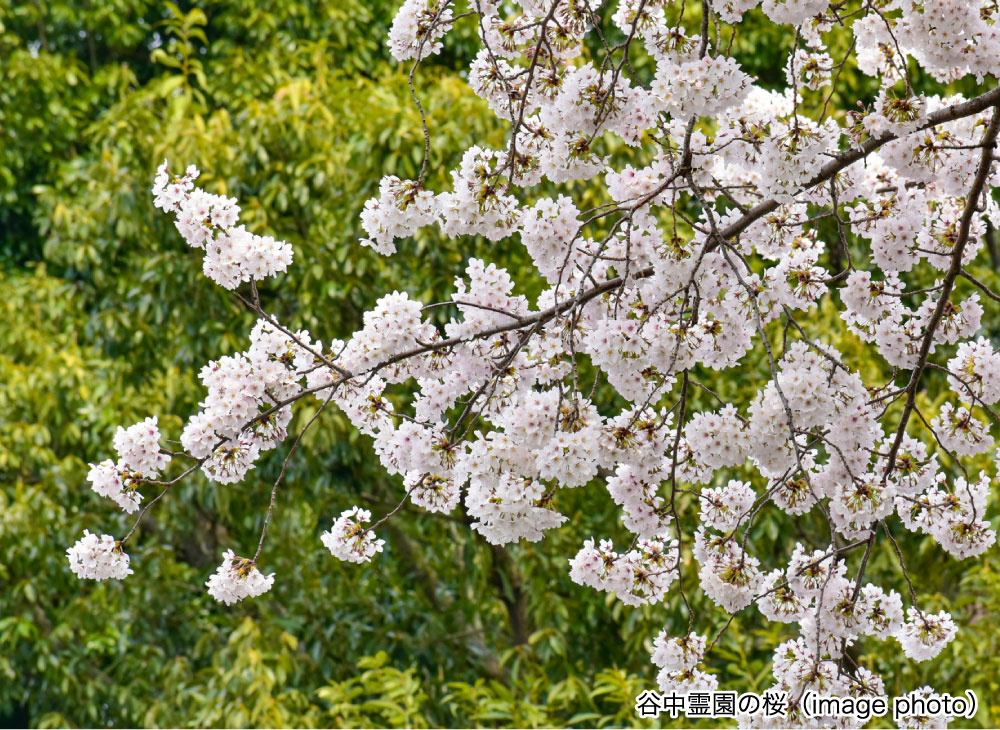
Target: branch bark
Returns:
[976, 190]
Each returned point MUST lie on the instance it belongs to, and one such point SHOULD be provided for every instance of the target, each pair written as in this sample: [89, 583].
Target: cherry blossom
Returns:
[688, 226]
[237, 578]
[98, 558]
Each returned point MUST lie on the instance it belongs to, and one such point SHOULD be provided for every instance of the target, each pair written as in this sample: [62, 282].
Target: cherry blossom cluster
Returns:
[140, 459]
[349, 540]
[98, 558]
[641, 575]
[678, 659]
[244, 412]
[237, 578]
[233, 255]
[418, 27]
[701, 222]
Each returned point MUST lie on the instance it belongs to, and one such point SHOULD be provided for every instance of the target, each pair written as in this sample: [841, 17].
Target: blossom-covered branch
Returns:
[703, 254]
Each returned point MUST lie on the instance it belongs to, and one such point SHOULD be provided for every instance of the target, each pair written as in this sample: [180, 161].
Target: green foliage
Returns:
[380, 696]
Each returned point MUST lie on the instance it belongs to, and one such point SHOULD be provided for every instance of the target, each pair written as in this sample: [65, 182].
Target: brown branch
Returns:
[978, 184]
